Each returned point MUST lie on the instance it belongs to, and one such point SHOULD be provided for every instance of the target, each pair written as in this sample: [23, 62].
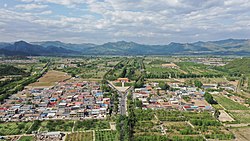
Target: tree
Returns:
[198, 83]
[209, 98]
[164, 86]
[138, 103]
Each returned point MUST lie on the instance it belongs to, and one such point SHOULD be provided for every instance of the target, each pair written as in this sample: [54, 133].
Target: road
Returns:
[122, 100]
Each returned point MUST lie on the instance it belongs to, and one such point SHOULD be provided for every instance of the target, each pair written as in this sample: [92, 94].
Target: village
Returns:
[64, 103]
[66, 100]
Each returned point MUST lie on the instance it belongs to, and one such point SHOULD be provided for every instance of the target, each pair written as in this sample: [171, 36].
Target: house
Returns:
[80, 113]
[12, 111]
[62, 105]
[72, 114]
[26, 108]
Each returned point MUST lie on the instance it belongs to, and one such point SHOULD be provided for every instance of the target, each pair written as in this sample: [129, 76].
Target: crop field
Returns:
[179, 125]
[80, 136]
[242, 116]
[91, 125]
[50, 79]
[195, 68]
[144, 127]
[106, 135]
[228, 103]
[129, 67]
[242, 133]
[57, 125]
[154, 69]
[27, 138]
[14, 128]
[90, 68]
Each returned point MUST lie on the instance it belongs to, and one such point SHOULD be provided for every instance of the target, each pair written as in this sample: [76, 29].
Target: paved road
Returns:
[122, 100]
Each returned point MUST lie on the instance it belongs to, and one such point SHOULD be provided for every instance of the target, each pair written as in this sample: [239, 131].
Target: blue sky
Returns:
[142, 21]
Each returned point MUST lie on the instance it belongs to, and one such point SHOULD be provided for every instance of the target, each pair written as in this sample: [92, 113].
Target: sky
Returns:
[141, 21]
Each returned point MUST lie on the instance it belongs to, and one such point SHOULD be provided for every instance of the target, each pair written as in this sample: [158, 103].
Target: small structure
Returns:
[122, 80]
[170, 65]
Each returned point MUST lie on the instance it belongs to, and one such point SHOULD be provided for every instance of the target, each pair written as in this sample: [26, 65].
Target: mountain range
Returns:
[57, 48]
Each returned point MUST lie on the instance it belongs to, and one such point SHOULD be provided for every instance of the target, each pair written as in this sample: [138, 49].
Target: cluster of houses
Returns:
[179, 98]
[66, 100]
[213, 61]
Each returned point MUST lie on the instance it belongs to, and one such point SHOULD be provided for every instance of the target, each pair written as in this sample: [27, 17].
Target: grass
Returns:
[228, 103]
[50, 78]
[27, 138]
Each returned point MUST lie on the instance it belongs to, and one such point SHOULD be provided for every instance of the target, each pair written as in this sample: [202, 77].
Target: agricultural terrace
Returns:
[178, 125]
[50, 79]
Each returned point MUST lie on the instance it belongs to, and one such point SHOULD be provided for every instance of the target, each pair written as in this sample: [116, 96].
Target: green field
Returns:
[242, 116]
[175, 123]
[228, 103]
[80, 136]
[89, 67]
[57, 125]
[14, 128]
[91, 125]
[107, 135]
[27, 138]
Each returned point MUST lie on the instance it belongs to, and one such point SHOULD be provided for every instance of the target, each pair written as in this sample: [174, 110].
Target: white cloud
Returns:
[31, 6]
[144, 21]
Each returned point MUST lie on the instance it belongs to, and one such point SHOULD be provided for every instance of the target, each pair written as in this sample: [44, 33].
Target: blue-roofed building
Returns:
[53, 99]
[99, 94]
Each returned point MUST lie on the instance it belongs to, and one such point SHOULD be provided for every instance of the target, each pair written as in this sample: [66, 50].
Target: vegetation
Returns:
[106, 135]
[14, 128]
[209, 98]
[57, 125]
[27, 138]
[16, 86]
[11, 70]
[35, 126]
[80, 136]
[92, 124]
[229, 104]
